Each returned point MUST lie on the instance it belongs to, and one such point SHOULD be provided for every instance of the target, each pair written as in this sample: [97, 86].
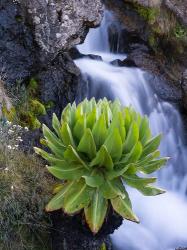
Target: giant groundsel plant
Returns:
[97, 149]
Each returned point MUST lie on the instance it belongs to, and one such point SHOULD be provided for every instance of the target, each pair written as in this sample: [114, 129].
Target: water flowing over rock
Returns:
[156, 32]
[132, 86]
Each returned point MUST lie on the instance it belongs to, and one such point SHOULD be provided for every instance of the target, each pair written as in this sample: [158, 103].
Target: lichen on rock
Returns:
[60, 25]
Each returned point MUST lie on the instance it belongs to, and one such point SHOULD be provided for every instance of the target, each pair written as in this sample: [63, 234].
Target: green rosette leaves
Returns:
[96, 149]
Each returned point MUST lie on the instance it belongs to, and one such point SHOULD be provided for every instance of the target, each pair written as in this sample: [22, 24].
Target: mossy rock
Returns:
[37, 108]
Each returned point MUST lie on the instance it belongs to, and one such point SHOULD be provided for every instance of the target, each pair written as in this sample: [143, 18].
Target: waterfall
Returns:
[163, 218]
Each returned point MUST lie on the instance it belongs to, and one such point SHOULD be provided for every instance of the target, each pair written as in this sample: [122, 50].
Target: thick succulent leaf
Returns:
[134, 154]
[87, 144]
[85, 105]
[95, 179]
[49, 157]
[113, 188]
[58, 151]
[127, 118]
[131, 170]
[108, 113]
[58, 187]
[99, 131]
[79, 111]
[56, 125]
[151, 146]
[116, 106]
[132, 138]
[79, 127]
[123, 207]
[136, 181]
[77, 197]
[118, 122]
[57, 201]
[103, 159]
[67, 171]
[95, 213]
[66, 134]
[71, 155]
[68, 114]
[148, 158]
[52, 138]
[93, 102]
[145, 133]
[113, 144]
[152, 166]
[91, 118]
[117, 172]
[150, 190]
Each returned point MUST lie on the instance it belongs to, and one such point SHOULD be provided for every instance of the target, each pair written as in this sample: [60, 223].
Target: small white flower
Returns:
[26, 128]
[6, 169]
[9, 147]
[12, 187]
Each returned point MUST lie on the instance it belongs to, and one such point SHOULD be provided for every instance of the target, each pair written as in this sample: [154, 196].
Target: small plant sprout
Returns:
[97, 149]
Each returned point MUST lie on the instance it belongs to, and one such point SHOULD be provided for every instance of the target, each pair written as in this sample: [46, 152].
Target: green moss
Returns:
[8, 114]
[180, 31]
[103, 246]
[148, 13]
[28, 106]
[33, 86]
[28, 119]
[49, 105]
[37, 108]
[152, 40]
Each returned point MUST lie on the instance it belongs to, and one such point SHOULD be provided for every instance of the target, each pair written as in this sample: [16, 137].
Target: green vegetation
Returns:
[23, 181]
[148, 13]
[95, 149]
[180, 31]
[27, 106]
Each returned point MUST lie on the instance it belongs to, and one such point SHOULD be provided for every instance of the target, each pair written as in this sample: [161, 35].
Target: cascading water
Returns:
[163, 218]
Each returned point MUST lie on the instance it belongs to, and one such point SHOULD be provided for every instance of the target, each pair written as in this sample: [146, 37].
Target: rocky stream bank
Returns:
[37, 48]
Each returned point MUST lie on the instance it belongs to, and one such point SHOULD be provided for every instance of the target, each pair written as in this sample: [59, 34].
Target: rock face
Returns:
[33, 38]
[60, 25]
[5, 101]
[154, 34]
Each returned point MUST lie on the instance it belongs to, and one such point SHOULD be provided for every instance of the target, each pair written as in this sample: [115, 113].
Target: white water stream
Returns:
[163, 218]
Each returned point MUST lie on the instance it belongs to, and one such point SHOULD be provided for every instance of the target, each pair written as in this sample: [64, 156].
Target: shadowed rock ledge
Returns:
[35, 37]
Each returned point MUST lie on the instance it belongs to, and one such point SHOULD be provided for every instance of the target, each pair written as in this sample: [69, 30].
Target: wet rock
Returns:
[125, 63]
[75, 54]
[154, 46]
[184, 88]
[80, 236]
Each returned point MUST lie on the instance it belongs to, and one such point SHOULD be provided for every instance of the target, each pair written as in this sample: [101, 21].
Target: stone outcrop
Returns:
[154, 34]
[35, 36]
[5, 102]
[60, 25]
